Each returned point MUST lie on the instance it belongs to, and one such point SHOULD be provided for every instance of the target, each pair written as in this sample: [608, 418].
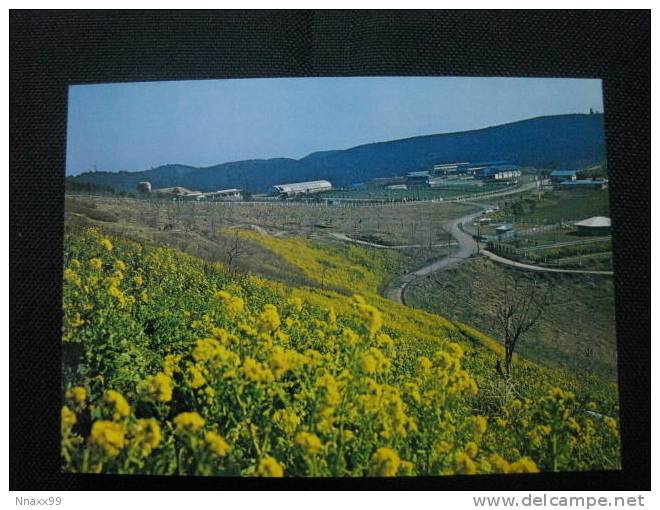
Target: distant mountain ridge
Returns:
[567, 141]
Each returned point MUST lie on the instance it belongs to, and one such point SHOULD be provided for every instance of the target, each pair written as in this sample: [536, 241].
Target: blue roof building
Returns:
[563, 175]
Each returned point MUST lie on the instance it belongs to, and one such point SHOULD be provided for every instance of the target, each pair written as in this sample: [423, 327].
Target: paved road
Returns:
[467, 247]
[529, 267]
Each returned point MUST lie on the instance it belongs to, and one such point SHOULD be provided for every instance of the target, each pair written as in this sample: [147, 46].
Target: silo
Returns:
[144, 187]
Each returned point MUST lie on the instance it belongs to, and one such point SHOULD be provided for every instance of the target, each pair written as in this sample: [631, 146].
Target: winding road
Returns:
[467, 247]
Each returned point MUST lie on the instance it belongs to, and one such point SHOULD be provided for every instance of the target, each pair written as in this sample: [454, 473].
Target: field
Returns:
[215, 339]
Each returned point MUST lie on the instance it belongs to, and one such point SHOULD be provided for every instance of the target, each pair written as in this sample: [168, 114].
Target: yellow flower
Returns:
[331, 394]
[78, 396]
[464, 465]
[283, 360]
[308, 442]
[384, 462]
[71, 276]
[296, 304]
[95, 263]
[286, 419]
[234, 304]
[498, 464]
[147, 435]
[256, 371]
[370, 314]
[120, 265]
[68, 419]
[472, 449]
[269, 319]
[158, 387]
[524, 465]
[106, 243]
[108, 435]
[269, 467]
[479, 425]
[374, 361]
[195, 377]
[442, 447]
[120, 406]
[216, 443]
[138, 280]
[188, 422]
[610, 423]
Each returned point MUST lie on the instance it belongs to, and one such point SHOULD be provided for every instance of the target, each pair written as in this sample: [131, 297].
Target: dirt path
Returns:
[343, 237]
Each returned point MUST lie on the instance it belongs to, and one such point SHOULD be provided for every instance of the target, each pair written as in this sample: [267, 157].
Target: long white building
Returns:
[302, 188]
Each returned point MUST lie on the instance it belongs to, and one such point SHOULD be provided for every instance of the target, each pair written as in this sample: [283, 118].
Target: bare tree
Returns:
[521, 305]
[235, 250]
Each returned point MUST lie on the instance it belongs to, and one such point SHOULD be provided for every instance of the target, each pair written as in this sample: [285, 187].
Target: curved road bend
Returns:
[467, 246]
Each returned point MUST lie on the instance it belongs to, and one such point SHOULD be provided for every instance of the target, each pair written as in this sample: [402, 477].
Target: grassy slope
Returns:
[579, 318]
[179, 309]
[352, 261]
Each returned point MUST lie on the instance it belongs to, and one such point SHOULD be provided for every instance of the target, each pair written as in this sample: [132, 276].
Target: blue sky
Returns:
[134, 126]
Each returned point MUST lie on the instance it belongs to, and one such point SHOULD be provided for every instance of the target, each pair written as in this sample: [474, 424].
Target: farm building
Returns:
[302, 188]
[581, 184]
[396, 186]
[504, 230]
[224, 194]
[472, 168]
[178, 192]
[498, 173]
[595, 226]
[557, 176]
[450, 168]
[418, 177]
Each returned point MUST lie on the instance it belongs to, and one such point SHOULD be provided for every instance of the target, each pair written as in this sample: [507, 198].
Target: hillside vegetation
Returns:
[572, 141]
[174, 365]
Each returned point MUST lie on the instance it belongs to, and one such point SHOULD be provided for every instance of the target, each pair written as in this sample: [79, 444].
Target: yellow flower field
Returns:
[172, 365]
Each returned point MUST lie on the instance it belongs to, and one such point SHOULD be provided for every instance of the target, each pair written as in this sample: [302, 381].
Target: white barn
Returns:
[302, 188]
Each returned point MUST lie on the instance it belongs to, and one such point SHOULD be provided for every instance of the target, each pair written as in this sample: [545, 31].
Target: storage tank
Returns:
[144, 187]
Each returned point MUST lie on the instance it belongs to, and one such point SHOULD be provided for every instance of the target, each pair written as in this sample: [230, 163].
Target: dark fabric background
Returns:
[51, 49]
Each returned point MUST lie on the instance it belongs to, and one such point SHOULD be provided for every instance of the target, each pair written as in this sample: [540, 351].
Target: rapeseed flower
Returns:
[195, 377]
[106, 243]
[479, 425]
[287, 420]
[77, 396]
[308, 442]
[257, 371]
[269, 319]
[464, 465]
[384, 462]
[68, 419]
[120, 407]
[147, 435]
[95, 263]
[158, 387]
[188, 422]
[269, 467]
[524, 465]
[108, 435]
[216, 444]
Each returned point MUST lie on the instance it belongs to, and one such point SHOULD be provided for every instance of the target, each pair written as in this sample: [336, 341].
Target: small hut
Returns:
[595, 226]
